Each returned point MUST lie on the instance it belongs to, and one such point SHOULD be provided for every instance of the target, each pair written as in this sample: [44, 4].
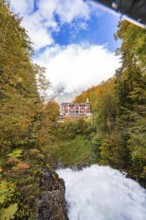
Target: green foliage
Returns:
[130, 90]
[69, 152]
[105, 153]
[71, 144]
[96, 144]
[16, 153]
[119, 107]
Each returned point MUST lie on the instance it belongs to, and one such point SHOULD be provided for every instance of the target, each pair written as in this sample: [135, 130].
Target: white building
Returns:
[76, 109]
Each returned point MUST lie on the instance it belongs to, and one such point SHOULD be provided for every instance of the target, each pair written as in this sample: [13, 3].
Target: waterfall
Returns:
[102, 193]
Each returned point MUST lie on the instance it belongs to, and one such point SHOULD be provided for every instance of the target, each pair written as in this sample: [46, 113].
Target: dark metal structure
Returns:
[134, 9]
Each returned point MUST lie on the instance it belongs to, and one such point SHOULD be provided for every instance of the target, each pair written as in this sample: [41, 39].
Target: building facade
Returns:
[76, 109]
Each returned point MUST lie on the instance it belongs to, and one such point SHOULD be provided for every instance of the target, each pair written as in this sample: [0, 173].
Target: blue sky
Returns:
[74, 40]
[99, 30]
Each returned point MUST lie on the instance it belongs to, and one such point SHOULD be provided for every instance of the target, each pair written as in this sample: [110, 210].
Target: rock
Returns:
[51, 205]
[46, 176]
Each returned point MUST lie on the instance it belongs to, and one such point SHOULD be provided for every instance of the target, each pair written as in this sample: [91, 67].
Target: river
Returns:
[102, 193]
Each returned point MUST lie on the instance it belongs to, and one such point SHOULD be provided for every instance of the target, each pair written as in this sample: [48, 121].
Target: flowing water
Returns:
[102, 193]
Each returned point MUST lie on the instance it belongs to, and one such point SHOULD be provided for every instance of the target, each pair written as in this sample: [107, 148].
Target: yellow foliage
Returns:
[8, 213]
[7, 190]
[34, 151]
[36, 154]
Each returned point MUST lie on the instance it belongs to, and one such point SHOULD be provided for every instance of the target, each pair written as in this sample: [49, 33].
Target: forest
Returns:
[31, 138]
[119, 107]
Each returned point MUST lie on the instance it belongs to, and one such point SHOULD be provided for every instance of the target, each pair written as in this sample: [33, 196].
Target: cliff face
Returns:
[51, 205]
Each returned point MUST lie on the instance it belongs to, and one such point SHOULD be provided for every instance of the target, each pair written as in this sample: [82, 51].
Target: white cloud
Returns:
[40, 20]
[37, 31]
[75, 68]
[69, 10]
[22, 6]
[72, 68]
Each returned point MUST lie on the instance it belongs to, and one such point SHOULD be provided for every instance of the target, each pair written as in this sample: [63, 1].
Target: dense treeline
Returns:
[119, 107]
[25, 121]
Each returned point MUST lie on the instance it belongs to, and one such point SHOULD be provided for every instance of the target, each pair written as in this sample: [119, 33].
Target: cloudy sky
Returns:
[74, 40]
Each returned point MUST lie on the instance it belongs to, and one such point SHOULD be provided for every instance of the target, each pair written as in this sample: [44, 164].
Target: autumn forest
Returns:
[30, 136]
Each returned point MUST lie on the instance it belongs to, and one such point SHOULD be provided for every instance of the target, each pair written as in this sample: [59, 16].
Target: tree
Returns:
[119, 106]
[22, 115]
[131, 93]
[52, 110]
[131, 77]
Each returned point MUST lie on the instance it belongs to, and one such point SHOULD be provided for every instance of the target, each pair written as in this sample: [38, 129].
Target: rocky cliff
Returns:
[51, 205]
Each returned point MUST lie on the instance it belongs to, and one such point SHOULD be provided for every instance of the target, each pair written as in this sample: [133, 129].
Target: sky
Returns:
[74, 40]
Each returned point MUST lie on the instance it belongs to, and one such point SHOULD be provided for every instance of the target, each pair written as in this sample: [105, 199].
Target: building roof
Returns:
[76, 103]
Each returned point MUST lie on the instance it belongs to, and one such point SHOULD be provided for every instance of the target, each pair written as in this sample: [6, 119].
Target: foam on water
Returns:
[102, 193]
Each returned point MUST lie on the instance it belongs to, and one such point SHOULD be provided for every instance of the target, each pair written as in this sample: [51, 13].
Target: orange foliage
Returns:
[12, 160]
[21, 167]
[96, 93]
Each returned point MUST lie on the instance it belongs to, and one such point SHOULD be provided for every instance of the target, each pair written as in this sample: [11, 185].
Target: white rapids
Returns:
[102, 193]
